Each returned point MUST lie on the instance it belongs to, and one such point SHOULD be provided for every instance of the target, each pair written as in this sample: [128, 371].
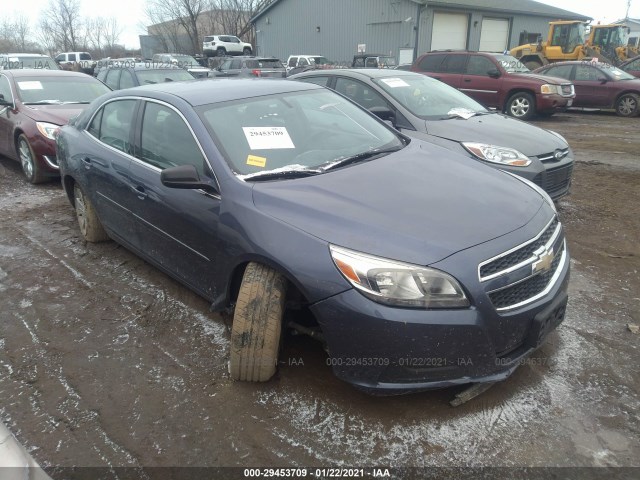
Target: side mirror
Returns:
[495, 73]
[4, 102]
[603, 80]
[185, 177]
[383, 113]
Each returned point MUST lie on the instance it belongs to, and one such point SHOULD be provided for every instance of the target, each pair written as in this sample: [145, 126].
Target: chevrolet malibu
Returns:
[34, 103]
[417, 267]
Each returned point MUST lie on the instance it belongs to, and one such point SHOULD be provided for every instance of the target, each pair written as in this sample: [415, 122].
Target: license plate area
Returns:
[545, 322]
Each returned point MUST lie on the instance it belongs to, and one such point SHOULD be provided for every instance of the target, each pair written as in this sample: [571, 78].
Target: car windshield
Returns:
[512, 64]
[617, 74]
[185, 60]
[59, 90]
[146, 77]
[320, 61]
[264, 63]
[426, 97]
[304, 132]
[11, 63]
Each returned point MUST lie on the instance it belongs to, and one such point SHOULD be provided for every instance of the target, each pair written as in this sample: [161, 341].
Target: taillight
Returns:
[256, 72]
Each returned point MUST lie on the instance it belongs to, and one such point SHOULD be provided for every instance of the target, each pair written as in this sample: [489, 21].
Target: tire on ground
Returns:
[30, 167]
[521, 105]
[627, 105]
[257, 324]
[88, 221]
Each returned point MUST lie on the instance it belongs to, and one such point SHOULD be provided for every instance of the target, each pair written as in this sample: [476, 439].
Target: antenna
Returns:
[626, 16]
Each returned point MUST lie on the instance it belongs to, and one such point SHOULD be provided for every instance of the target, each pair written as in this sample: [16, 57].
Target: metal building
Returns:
[403, 28]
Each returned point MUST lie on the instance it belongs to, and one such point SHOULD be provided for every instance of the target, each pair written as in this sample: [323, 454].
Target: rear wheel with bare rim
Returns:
[257, 324]
[627, 105]
[88, 220]
[28, 161]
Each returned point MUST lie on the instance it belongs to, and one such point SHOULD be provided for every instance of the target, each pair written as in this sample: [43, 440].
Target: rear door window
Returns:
[126, 79]
[454, 64]
[112, 125]
[113, 76]
[562, 71]
[431, 63]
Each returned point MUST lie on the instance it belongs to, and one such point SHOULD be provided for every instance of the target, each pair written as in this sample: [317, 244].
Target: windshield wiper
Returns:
[281, 175]
[360, 157]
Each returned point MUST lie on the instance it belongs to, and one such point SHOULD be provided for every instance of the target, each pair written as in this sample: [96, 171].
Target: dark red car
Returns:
[497, 81]
[599, 85]
[631, 66]
[34, 104]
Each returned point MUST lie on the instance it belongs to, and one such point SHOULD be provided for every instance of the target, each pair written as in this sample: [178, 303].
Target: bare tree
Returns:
[112, 32]
[61, 25]
[183, 14]
[233, 17]
[95, 34]
[21, 32]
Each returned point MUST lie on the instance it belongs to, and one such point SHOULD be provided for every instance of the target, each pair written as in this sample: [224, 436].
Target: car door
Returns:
[224, 70]
[451, 69]
[591, 91]
[6, 121]
[477, 83]
[106, 167]
[178, 228]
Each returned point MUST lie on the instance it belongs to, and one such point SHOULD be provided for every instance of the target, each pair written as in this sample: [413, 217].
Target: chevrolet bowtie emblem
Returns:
[545, 259]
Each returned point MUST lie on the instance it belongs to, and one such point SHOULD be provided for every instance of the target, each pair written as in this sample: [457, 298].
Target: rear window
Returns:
[146, 77]
[85, 56]
[264, 63]
[431, 63]
[209, 39]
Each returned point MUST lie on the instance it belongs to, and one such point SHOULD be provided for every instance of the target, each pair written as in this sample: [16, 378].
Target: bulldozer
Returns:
[568, 40]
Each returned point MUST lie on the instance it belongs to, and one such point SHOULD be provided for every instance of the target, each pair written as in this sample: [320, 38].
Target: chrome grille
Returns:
[523, 291]
[520, 255]
[551, 157]
[527, 272]
[567, 89]
[557, 179]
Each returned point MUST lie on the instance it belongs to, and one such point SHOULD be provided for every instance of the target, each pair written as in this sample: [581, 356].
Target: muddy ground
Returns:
[105, 361]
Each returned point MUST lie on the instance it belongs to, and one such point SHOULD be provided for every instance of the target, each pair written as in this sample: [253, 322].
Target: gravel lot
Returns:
[105, 361]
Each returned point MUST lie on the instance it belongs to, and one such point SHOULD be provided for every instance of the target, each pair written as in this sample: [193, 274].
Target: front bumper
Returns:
[389, 350]
[552, 103]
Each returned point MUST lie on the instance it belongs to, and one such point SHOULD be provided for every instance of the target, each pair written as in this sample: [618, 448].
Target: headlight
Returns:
[549, 89]
[538, 189]
[500, 155]
[48, 130]
[398, 284]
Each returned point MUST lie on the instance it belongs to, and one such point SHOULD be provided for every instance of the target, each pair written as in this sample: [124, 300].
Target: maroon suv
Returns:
[498, 81]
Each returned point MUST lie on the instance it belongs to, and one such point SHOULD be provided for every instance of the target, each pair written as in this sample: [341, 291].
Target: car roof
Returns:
[39, 72]
[216, 90]
[24, 55]
[359, 72]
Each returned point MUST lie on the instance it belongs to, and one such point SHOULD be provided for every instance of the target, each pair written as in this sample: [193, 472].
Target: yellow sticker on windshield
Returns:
[256, 161]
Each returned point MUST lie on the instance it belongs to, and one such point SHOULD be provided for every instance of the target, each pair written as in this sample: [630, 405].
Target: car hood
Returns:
[418, 205]
[56, 114]
[542, 78]
[499, 130]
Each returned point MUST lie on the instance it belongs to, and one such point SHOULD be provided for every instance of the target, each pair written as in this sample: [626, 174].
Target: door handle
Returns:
[140, 192]
[467, 79]
[87, 162]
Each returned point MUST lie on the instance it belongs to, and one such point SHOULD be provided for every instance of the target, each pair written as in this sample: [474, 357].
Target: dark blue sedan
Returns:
[421, 268]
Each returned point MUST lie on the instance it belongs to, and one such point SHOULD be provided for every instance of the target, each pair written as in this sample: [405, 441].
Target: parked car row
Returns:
[294, 167]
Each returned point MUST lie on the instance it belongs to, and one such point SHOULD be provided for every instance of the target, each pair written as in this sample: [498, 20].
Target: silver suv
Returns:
[220, 45]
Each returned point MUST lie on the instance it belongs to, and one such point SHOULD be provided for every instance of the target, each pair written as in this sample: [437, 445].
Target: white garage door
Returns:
[494, 35]
[449, 31]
